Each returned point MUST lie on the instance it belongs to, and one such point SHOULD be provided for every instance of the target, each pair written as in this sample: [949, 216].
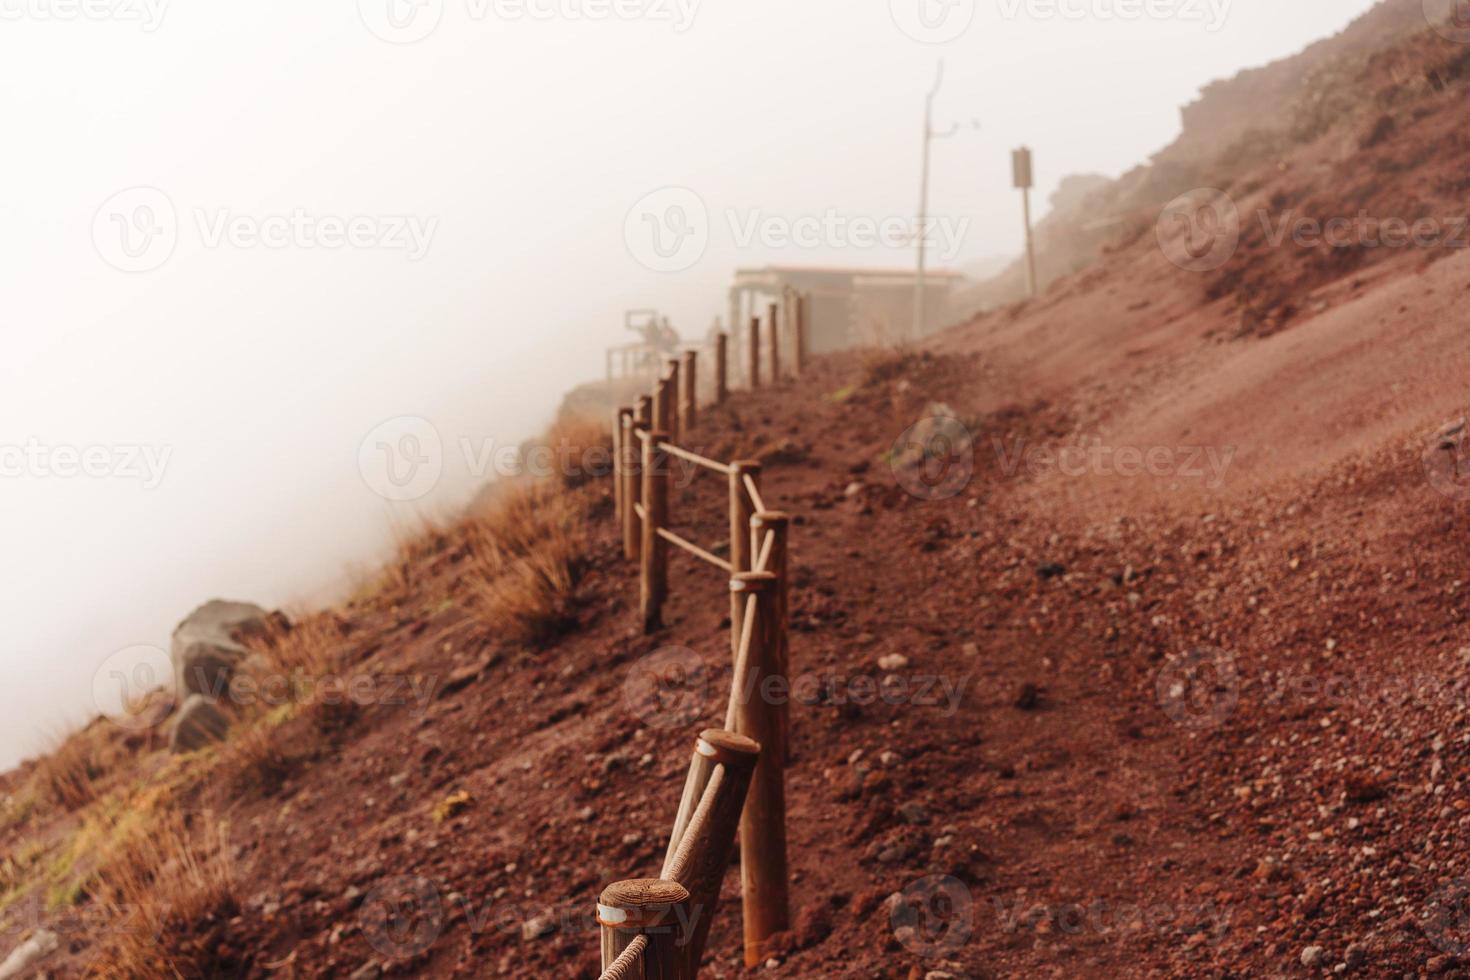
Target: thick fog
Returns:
[237, 239]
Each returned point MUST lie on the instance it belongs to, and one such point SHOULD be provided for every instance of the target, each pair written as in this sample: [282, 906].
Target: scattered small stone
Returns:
[913, 813]
[537, 928]
[368, 971]
[1312, 956]
[893, 662]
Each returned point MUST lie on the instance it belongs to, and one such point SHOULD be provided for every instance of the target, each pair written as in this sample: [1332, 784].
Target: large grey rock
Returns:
[206, 646]
[41, 945]
[199, 722]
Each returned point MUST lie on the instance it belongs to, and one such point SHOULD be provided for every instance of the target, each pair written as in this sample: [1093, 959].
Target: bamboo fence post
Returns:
[691, 390]
[632, 455]
[655, 551]
[763, 868]
[709, 856]
[658, 910]
[753, 367]
[741, 559]
[779, 526]
[722, 368]
[773, 313]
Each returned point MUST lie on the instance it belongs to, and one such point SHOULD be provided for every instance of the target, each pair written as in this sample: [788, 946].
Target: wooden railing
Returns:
[737, 776]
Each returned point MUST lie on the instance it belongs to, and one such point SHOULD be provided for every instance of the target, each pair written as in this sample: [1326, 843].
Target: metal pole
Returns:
[920, 286]
[1030, 248]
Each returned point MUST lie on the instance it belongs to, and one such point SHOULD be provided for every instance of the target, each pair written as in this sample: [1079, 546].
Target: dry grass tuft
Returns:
[161, 883]
[580, 447]
[312, 647]
[70, 777]
[527, 547]
[253, 763]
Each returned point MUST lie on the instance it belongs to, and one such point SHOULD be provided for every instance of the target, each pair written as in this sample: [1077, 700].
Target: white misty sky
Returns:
[259, 371]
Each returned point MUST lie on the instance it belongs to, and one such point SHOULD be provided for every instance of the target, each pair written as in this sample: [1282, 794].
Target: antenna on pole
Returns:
[917, 329]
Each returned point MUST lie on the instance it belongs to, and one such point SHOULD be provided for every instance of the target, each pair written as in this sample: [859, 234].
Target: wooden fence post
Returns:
[632, 453]
[753, 367]
[722, 368]
[709, 857]
[691, 390]
[655, 909]
[773, 313]
[778, 524]
[661, 405]
[671, 401]
[655, 568]
[619, 414]
[764, 874]
[741, 560]
[803, 320]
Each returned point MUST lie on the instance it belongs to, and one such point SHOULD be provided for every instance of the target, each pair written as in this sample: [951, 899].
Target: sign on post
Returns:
[1021, 168]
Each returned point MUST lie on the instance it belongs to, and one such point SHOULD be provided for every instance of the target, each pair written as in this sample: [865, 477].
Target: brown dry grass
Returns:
[581, 447]
[527, 547]
[163, 881]
[69, 776]
[253, 762]
[312, 646]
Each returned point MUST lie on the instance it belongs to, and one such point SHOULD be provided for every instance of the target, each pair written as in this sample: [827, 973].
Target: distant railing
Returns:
[737, 776]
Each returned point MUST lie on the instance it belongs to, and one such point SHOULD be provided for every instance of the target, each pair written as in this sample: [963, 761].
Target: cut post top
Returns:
[753, 582]
[728, 748]
[639, 905]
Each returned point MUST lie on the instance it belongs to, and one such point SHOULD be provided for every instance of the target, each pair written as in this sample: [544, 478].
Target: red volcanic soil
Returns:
[1177, 660]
